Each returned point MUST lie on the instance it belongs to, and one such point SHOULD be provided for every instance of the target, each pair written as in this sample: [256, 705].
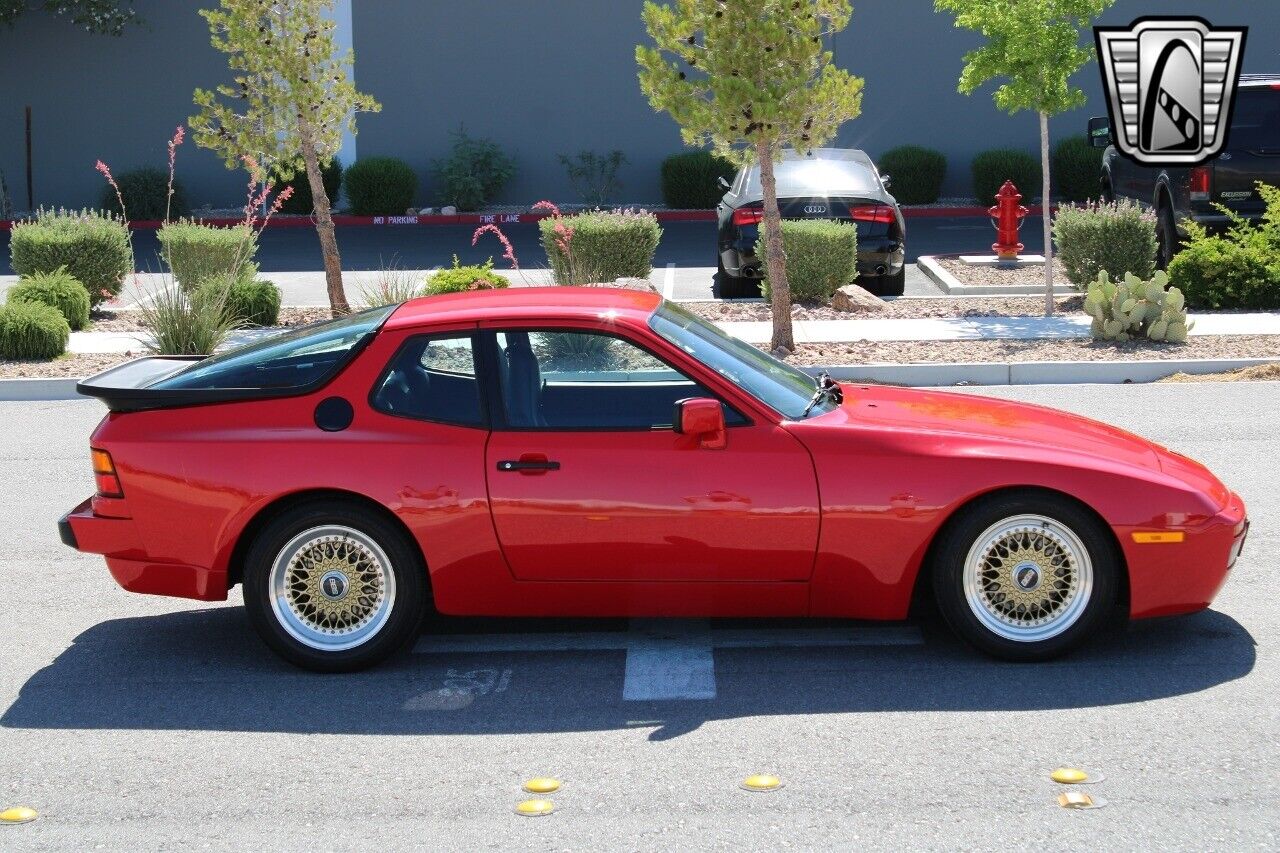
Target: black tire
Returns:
[890, 285]
[731, 286]
[1167, 241]
[1108, 192]
[395, 626]
[963, 534]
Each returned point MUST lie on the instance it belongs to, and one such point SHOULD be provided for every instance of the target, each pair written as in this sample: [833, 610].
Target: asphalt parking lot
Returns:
[684, 264]
[144, 723]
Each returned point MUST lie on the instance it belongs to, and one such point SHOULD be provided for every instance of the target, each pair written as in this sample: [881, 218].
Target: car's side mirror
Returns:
[1100, 131]
[886, 180]
[702, 418]
[724, 185]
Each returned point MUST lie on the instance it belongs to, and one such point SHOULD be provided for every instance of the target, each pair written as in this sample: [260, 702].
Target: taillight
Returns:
[1201, 181]
[748, 215]
[104, 474]
[872, 213]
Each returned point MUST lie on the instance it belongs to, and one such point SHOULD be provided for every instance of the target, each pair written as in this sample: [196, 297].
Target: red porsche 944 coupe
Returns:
[601, 452]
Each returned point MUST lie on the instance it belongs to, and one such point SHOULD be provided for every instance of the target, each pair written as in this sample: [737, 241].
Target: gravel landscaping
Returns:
[974, 275]
[1257, 373]
[131, 320]
[903, 308]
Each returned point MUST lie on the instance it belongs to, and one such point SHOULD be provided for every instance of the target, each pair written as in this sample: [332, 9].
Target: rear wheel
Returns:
[1025, 577]
[1166, 237]
[334, 588]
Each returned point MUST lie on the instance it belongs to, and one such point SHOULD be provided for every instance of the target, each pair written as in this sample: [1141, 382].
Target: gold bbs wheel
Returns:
[1028, 578]
[332, 588]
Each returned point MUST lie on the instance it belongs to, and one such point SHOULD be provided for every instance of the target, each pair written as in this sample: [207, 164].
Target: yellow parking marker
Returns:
[18, 814]
[1073, 776]
[542, 785]
[761, 782]
[1080, 800]
[535, 808]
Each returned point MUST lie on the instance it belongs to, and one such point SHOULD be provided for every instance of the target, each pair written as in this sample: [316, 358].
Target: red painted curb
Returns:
[509, 218]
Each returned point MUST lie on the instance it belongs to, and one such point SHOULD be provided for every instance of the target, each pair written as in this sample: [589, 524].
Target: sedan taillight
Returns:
[872, 213]
[748, 215]
[104, 474]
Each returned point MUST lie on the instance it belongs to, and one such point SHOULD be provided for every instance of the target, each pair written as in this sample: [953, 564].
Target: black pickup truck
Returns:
[1177, 193]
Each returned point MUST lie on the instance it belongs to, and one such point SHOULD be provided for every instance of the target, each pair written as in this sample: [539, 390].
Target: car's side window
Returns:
[575, 380]
[434, 379]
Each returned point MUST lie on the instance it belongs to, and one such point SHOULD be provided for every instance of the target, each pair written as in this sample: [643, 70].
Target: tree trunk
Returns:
[775, 258]
[324, 222]
[1048, 217]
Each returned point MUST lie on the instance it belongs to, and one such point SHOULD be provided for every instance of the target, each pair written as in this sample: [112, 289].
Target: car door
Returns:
[589, 481]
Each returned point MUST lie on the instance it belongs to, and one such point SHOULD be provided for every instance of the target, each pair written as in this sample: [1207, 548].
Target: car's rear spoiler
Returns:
[127, 387]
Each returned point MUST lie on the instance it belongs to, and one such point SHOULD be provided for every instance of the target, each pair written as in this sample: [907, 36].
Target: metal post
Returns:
[31, 198]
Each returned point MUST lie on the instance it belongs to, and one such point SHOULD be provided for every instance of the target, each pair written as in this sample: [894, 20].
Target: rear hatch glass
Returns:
[1252, 152]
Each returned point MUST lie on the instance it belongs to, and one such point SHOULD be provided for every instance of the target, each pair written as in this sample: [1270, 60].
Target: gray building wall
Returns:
[541, 79]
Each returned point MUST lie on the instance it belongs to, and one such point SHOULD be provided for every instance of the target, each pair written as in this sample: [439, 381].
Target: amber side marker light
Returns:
[1158, 538]
[104, 474]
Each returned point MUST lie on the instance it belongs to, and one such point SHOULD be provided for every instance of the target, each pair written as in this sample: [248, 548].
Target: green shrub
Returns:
[1076, 169]
[391, 285]
[198, 254]
[93, 247]
[992, 168]
[253, 302]
[1134, 308]
[602, 246]
[378, 186]
[1093, 237]
[32, 330]
[459, 279]
[183, 323]
[690, 180]
[58, 289]
[146, 196]
[917, 173]
[1238, 269]
[822, 257]
[475, 171]
[301, 201]
[594, 176]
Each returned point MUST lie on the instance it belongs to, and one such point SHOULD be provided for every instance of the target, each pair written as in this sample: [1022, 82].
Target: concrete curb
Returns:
[951, 286]
[914, 375]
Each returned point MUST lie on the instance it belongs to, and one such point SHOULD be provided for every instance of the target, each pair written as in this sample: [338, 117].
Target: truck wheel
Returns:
[1167, 241]
[332, 587]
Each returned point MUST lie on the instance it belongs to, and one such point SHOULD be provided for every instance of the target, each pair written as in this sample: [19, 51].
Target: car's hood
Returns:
[1002, 421]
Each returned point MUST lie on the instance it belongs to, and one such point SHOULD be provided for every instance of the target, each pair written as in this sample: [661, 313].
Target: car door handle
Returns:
[528, 465]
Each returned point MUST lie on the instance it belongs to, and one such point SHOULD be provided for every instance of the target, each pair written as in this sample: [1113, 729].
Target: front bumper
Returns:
[117, 539]
[1184, 577]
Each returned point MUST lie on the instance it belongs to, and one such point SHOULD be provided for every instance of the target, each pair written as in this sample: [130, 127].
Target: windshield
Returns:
[293, 360]
[776, 384]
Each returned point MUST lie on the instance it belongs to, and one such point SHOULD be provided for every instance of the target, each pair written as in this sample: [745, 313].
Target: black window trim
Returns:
[483, 397]
[487, 361]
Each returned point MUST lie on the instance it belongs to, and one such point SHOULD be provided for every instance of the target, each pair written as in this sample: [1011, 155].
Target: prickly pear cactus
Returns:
[1135, 308]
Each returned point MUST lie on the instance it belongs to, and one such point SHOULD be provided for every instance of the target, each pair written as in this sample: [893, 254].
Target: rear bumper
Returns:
[1184, 577]
[117, 539]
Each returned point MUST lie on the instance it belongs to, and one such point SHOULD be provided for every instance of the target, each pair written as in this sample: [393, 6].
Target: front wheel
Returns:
[1025, 577]
[332, 587]
[1167, 243]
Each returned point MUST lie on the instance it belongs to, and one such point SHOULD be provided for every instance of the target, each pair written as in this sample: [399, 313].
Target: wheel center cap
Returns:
[1026, 576]
[334, 585]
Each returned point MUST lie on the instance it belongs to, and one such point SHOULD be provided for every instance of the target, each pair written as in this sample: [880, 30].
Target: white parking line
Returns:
[670, 659]
[669, 282]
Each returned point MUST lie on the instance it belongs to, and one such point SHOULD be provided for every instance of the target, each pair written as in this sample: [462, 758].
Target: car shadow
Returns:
[205, 670]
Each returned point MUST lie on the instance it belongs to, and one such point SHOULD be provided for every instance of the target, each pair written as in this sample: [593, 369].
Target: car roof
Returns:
[526, 303]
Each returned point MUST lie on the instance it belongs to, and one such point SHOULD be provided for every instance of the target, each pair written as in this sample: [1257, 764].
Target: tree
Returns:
[1034, 47]
[291, 100]
[751, 78]
[107, 17]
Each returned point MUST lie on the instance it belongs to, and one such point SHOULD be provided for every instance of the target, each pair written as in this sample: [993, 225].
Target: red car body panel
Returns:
[829, 516]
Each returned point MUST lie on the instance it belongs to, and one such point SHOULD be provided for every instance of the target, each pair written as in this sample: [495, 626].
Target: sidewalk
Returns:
[838, 331]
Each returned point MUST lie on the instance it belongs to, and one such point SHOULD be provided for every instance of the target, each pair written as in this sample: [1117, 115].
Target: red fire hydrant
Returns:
[1008, 215]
